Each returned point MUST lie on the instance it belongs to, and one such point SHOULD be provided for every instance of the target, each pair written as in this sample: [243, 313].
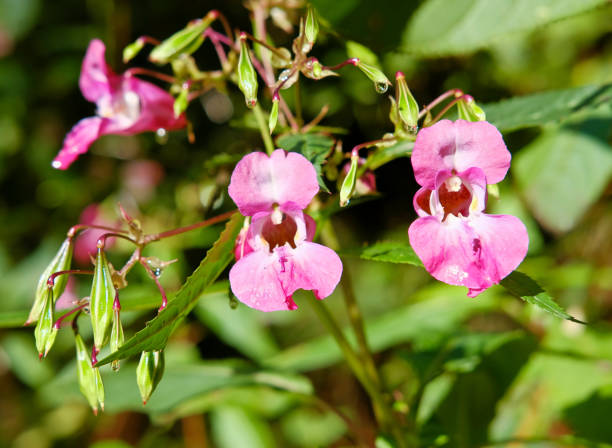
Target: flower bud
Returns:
[185, 41]
[45, 331]
[348, 185]
[312, 27]
[272, 120]
[131, 50]
[381, 82]
[408, 109]
[469, 110]
[101, 301]
[90, 381]
[247, 78]
[181, 101]
[149, 373]
[61, 262]
[116, 338]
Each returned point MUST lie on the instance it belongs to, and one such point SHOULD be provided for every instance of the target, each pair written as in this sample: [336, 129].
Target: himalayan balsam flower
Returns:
[457, 242]
[275, 254]
[125, 104]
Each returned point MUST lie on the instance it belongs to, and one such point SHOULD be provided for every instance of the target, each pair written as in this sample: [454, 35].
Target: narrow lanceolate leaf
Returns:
[186, 41]
[156, 333]
[60, 262]
[549, 107]
[101, 301]
[523, 286]
[442, 27]
[388, 251]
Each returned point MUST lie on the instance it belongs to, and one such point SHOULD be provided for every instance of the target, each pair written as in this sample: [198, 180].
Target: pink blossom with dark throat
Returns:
[126, 105]
[458, 243]
[275, 254]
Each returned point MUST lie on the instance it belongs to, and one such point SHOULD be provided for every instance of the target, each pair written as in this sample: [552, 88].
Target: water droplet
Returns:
[157, 272]
[115, 365]
[56, 164]
[161, 136]
[381, 87]
[284, 75]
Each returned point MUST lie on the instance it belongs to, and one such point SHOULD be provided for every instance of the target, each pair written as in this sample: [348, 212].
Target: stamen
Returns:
[455, 197]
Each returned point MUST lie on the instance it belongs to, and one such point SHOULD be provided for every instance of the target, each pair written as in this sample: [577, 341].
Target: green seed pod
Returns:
[185, 41]
[45, 332]
[312, 27]
[181, 101]
[469, 110]
[273, 119]
[131, 50]
[90, 381]
[61, 262]
[408, 108]
[381, 82]
[348, 184]
[247, 77]
[116, 338]
[101, 301]
[149, 373]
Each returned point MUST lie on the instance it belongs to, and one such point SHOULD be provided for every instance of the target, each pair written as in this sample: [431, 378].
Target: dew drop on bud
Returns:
[284, 75]
[161, 136]
[381, 87]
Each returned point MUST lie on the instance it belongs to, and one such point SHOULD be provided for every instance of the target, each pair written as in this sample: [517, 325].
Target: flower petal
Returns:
[458, 146]
[95, 73]
[285, 178]
[255, 281]
[313, 267]
[77, 141]
[476, 252]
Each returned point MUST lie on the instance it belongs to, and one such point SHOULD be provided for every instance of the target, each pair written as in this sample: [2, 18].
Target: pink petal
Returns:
[95, 73]
[458, 146]
[476, 252]
[284, 178]
[313, 267]
[255, 281]
[77, 142]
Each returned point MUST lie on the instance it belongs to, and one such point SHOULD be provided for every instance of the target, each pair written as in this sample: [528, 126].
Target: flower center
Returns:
[279, 229]
[454, 197]
[123, 108]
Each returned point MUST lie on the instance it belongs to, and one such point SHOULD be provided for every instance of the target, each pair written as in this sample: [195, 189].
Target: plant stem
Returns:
[263, 129]
[158, 236]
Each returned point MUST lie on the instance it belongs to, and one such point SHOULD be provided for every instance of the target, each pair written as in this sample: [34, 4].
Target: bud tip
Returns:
[399, 75]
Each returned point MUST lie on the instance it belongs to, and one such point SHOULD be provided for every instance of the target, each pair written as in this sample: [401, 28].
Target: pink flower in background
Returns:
[125, 104]
[275, 254]
[457, 242]
[85, 245]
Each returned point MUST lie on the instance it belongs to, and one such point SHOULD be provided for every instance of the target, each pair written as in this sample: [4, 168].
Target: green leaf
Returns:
[388, 251]
[563, 172]
[523, 286]
[315, 147]
[443, 28]
[548, 107]
[235, 427]
[357, 50]
[156, 333]
[382, 156]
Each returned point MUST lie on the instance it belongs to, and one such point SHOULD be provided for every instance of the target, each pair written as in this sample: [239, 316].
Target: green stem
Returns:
[263, 129]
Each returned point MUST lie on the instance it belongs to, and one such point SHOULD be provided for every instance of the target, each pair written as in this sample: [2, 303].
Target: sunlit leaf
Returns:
[388, 251]
[315, 147]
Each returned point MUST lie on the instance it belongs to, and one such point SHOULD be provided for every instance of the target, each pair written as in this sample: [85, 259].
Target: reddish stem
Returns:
[58, 323]
[219, 15]
[448, 107]
[158, 236]
[144, 71]
[159, 286]
[438, 100]
[351, 61]
[149, 40]
[51, 279]
[355, 150]
[78, 227]
[102, 240]
[212, 35]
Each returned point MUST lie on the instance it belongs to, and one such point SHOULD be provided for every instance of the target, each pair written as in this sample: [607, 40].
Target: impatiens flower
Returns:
[275, 254]
[457, 242]
[125, 104]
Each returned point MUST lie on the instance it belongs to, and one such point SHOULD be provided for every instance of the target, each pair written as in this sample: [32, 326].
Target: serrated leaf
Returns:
[548, 107]
[388, 251]
[315, 147]
[157, 331]
[443, 28]
[523, 286]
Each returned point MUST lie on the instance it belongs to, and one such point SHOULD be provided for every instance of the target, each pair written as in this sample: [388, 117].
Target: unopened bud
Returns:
[311, 29]
[348, 185]
[101, 301]
[185, 41]
[181, 101]
[469, 110]
[61, 262]
[45, 331]
[247, 77]
[273, 119]
[407, 107]
[90, 381]
[131, 50]
[381, 82]
[149, 373]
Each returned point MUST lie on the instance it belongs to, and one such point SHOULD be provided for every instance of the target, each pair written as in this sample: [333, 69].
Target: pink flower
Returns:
[457, 242]
[85, 246]
[275, 254]
[125, 104]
